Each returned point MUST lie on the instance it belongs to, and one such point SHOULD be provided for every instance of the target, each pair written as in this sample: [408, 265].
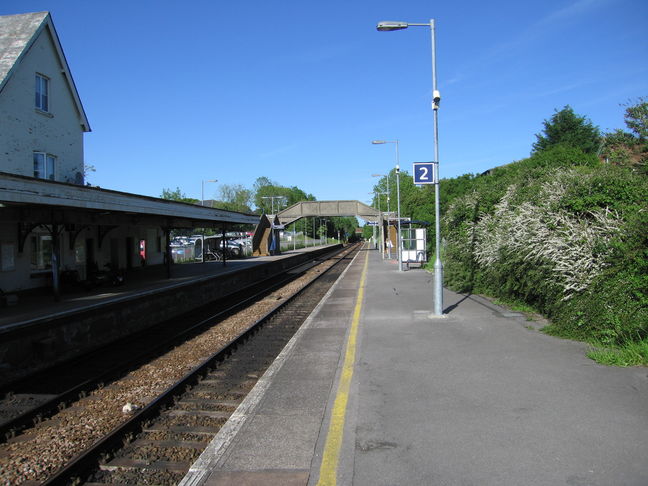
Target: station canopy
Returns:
[27, 199]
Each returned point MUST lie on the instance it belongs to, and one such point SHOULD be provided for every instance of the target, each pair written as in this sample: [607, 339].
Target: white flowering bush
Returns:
[570, 241]
[574, 247]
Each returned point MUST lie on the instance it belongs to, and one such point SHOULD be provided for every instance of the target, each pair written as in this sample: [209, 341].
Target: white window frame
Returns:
[42, 93]
[44, 166]
[41, 252]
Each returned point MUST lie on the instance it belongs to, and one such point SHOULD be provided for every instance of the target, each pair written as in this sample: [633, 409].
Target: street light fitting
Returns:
[387, 25]
[378, 142]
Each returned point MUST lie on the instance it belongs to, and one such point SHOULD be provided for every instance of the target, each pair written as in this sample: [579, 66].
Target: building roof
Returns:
[17, 34]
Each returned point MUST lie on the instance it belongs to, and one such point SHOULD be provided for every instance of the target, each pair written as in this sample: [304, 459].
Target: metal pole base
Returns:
[438, 288]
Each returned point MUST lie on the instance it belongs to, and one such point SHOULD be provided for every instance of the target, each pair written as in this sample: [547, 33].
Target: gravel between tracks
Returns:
[51, 444]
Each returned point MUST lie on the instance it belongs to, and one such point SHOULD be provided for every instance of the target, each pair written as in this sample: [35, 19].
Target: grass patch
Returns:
[516, 306]
[631, 354]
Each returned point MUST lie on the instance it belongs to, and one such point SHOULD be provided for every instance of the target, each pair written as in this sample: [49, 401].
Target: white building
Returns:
[41, 116]
[49, 221]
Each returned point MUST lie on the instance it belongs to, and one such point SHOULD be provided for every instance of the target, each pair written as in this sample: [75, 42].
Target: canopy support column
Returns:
[167, 252]
[224, 246]
[56, 263]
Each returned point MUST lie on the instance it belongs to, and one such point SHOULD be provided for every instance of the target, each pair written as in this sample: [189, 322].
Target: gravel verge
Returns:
[51, 444]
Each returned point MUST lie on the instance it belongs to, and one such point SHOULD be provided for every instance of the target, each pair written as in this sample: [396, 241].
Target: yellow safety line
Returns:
[328, 469]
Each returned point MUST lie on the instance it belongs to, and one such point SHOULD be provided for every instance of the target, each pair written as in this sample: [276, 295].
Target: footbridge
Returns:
[267, 232]
[307, 209]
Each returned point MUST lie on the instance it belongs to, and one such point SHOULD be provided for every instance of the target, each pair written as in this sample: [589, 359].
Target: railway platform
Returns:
[374, 390]
[139, 280]
[38, 330]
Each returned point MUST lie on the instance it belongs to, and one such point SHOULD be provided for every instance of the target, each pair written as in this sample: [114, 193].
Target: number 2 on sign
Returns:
[424, 173]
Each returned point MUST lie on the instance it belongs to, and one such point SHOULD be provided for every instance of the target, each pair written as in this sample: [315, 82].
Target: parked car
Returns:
[214, 248]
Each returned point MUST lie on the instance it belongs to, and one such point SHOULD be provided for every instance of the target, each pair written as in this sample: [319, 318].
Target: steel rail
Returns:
[81, 465]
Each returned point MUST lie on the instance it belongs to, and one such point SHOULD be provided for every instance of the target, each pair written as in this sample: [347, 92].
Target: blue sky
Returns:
[180, 92]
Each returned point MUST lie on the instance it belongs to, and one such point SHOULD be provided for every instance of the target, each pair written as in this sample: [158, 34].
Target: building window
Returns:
[41, 252]
[44, 166]
[42, 93]
[7, 257]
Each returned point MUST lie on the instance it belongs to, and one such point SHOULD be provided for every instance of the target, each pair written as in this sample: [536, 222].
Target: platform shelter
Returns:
[265, 240]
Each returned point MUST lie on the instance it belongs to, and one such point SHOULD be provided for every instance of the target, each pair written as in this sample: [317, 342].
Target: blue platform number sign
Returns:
[424, 173]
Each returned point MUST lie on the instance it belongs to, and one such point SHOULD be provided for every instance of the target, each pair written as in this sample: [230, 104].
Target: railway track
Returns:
[28, 401]
[160, 441]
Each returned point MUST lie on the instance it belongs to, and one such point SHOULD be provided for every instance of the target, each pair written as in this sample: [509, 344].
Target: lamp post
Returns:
[400, 238]
[398, 233]
[382, 239]
[436, 99]
[388, 215]
[388, 210]
[323, 230]
[373, 233]
[202, 190]
[272, 199]
[388, 186]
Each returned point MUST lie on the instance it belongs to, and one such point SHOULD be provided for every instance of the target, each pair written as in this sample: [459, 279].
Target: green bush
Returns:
[567, 199]
[561, 156]
[612, 187]
[519, 280]
[614, 310]
[561, 232]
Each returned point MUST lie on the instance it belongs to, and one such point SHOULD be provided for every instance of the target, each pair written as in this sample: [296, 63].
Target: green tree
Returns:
[270, 196]
[177, 195]
[345, 226]
[618, 147]
[636, 118]
[295, 195]
[567, 128]
[629, 148]
[234, 198]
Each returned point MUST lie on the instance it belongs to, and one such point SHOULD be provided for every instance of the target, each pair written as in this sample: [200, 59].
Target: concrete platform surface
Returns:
[138, 280]
[478, 397]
